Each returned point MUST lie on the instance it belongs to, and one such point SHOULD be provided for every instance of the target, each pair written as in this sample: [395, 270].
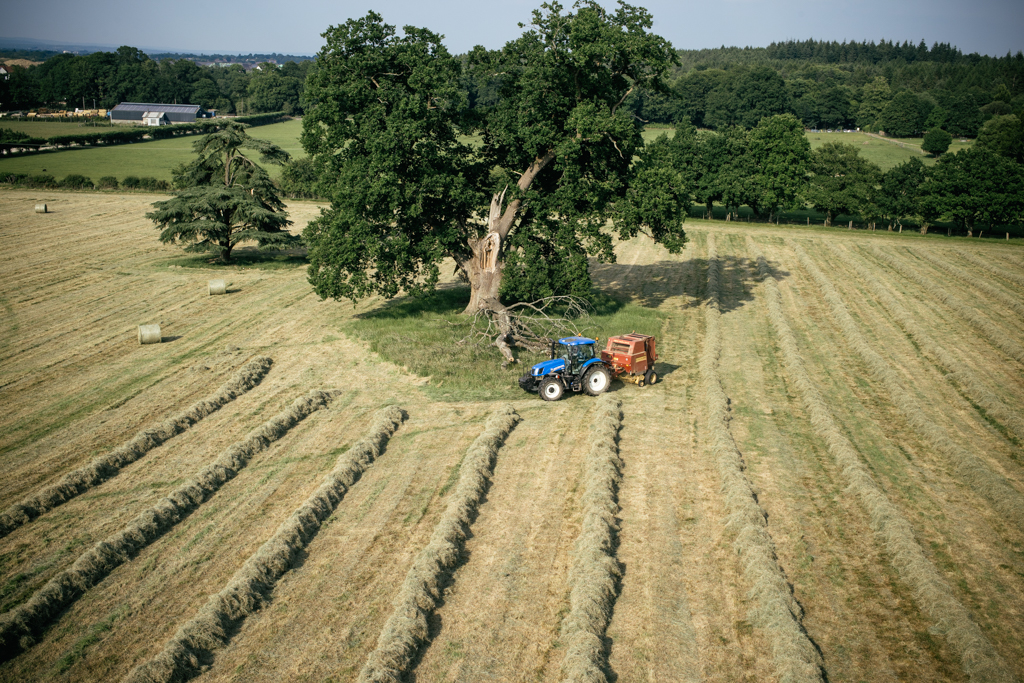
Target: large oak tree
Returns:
[521, 204]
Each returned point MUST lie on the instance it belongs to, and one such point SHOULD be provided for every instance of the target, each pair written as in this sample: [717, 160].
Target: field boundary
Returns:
[109, 465]
[197, 639]
[595, 573]
[776, 610]
[20, 626]
[971, 469]
[978, 657]
[406, 630]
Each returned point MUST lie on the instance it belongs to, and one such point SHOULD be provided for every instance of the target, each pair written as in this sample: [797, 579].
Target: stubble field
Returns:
[826, 484]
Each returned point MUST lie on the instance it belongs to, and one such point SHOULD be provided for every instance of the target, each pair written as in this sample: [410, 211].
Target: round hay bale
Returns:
[149, 334]
[40, 208]
[217, 287]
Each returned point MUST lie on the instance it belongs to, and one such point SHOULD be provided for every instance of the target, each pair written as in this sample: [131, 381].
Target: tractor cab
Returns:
[574, 366]
[575, 351]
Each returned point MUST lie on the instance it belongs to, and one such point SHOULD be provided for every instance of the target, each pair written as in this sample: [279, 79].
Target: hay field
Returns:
[826, 484]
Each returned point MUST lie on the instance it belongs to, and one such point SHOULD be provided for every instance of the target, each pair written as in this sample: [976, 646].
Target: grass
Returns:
[155, 159]
[43, 129]
[423, 334]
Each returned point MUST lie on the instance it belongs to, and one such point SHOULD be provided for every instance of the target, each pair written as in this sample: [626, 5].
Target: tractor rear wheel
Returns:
[650, 377]
[551, 389]
[597, 381]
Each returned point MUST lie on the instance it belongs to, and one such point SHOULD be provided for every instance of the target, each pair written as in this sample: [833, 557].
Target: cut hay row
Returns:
[776, 610]
[969, 468]
[990, 267]
[1009, 260]
[406, 629]
[210, 630]
[108, 465]
[960, 274]
[995, 336]
[595, 572]
[977, 656]
[959, 373]
[20, 626]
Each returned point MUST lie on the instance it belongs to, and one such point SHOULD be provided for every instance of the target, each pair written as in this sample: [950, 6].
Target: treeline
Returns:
[771, 169]
[903, 90]
[104, 79]
[257, 57]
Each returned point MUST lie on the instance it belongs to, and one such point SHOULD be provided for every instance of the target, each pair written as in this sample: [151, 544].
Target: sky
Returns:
[992, 27]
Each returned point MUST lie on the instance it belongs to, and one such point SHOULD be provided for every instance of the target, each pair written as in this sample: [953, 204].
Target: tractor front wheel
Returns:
[597, 380]
[551, 389]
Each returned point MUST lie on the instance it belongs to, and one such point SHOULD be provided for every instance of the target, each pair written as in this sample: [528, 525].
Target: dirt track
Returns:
[75, 383]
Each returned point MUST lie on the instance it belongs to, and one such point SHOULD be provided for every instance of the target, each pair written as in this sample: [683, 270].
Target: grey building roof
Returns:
[166, 108]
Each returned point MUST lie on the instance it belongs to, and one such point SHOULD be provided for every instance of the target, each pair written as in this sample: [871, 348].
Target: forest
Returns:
[902, 89]
[103, 79]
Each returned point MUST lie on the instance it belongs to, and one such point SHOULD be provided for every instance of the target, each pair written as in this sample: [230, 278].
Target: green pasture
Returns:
[153, 159]
[886, 152]
[44, 129]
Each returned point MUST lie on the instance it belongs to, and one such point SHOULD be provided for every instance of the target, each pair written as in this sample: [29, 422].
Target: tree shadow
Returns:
[652, 285]
[442, 301]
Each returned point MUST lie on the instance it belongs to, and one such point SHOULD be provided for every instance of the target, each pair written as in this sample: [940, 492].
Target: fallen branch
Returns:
[531, 326]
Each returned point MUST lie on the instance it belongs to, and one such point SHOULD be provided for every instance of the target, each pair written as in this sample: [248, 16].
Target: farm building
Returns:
[155, 118]
[146, 112]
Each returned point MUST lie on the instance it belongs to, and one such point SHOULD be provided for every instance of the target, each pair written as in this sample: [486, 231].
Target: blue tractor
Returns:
[575, 365]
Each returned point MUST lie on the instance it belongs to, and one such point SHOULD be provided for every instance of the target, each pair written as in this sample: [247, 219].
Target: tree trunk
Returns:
[484, 268]
[484, 271]
[225, 252]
